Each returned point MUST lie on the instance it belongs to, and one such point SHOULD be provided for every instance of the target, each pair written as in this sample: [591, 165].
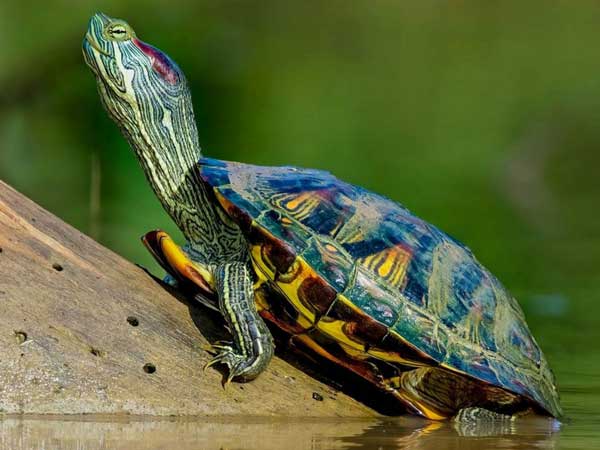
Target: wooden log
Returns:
[84, 331]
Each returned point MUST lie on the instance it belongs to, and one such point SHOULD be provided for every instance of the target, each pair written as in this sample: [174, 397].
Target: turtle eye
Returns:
[118, 32]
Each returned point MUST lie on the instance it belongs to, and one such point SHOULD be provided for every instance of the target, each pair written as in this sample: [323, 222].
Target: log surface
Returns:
[81, 330]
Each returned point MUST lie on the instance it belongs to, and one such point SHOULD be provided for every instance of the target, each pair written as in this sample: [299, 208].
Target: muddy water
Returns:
[397, 433]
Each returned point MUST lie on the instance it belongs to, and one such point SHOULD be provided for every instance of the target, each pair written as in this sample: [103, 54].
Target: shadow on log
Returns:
[84, 331]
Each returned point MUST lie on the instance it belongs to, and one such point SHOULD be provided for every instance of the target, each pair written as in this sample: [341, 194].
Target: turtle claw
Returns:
[218, 347]
[207, 348]
[230, 377]
[227, 355]
[235, 370]
[223, 353]
[223, 346]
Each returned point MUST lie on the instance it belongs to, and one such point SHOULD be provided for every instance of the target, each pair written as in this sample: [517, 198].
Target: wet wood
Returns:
[82, 330]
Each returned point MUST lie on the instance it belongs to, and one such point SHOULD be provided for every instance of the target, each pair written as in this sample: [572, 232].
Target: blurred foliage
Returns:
[479, 116]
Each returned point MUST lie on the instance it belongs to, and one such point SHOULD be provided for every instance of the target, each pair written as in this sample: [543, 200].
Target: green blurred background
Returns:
[481, 117]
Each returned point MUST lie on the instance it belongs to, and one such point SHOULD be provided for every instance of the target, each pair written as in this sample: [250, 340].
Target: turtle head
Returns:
[128, 69]
[143, 91]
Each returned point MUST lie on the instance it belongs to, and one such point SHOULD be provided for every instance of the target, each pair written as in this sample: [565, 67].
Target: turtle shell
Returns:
[338, 252]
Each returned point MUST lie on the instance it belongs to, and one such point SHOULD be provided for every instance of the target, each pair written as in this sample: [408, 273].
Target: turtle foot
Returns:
[480, 415]
[480, 422]
[226, 354]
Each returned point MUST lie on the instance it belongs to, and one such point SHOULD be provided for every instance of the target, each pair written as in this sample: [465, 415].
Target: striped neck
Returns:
[168, 150]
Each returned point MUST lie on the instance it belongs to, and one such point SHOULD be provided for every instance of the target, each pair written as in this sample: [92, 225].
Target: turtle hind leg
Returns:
[413, 388]
[437, 394]
[252, 347]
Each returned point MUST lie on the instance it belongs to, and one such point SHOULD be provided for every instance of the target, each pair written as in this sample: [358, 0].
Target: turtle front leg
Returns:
[252, 347]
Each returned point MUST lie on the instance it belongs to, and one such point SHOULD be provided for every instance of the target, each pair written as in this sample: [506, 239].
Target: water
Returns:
[242, 433]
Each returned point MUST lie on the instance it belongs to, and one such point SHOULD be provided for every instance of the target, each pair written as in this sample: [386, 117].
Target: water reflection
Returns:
[399, 433]
[539, 433]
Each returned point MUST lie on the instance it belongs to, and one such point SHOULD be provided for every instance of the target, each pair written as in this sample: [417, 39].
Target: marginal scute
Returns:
[359, 326]
[336, 351]
[275, 308]
[393, 348]
[314, 291]
[280, 255]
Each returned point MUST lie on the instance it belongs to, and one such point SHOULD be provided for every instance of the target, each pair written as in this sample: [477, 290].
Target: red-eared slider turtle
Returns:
[350, 274]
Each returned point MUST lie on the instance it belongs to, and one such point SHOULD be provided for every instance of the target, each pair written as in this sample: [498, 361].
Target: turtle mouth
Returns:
[89, 40]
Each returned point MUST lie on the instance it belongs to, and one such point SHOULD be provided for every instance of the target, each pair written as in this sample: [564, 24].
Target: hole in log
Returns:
[149, 368]
[57, 267]
[97, 352]
[133, 321]
[21, 336]
[1, 250]
[318, 397]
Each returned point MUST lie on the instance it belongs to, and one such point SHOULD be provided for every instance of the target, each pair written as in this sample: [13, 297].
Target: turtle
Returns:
[349, 274]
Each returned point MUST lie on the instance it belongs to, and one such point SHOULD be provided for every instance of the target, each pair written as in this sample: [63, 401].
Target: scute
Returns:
[401, 273]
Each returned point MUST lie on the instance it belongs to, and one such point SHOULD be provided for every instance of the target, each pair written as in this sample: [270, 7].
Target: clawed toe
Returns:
[223, 346]
[218, 347]
[225, 354]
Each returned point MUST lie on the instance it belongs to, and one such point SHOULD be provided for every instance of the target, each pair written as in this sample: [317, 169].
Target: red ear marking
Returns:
[161, 63]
